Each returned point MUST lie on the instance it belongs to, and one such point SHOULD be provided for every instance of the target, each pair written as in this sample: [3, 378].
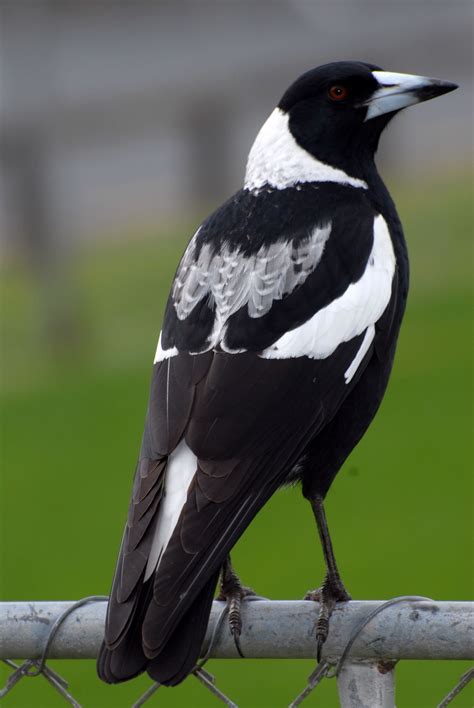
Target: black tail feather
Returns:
[180, 653]
[182, 650]
[127, 660]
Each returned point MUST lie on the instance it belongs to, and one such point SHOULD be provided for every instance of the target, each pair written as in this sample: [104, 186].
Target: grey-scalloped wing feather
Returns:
[231, 280]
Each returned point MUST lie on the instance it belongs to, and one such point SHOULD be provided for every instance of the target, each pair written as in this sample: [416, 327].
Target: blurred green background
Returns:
[122, 124]
[400, 510]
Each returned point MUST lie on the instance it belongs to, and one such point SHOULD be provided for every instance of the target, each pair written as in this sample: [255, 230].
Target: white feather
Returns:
[364, 348]
[162, 354]
[357, 309]
[276, 160]
[180, 470]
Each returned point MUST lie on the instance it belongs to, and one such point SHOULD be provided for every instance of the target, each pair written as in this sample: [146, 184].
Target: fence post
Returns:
[361, 684]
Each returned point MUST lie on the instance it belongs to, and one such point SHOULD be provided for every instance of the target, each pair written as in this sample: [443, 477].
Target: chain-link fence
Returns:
[365, 642]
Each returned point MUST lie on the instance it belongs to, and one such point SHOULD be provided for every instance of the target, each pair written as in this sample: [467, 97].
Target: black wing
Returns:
[270, 323]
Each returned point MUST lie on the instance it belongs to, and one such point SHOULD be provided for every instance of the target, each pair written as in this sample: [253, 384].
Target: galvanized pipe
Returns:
[271, 629]
[363, 684]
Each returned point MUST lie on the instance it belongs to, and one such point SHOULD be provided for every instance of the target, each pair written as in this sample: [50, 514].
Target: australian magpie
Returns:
[275, 352]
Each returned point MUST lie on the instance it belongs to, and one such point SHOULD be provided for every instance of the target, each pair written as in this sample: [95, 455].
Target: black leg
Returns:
[233, 592]
[332, 589]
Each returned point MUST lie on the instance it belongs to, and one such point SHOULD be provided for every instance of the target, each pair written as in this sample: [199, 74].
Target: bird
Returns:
[276, 348]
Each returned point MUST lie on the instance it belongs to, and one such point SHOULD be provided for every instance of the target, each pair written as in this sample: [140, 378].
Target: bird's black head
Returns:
[338, 111]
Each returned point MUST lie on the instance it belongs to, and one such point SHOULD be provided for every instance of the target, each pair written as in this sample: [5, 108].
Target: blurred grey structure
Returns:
[115, 114]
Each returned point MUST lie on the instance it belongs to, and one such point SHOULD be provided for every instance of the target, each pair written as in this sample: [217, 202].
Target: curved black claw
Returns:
[233, 592]
[236, 638]
[319, 648]
[322, 625]
[234, 600]
[327, 595]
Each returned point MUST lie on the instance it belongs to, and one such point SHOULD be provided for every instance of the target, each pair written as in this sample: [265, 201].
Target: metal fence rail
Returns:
[365, 641]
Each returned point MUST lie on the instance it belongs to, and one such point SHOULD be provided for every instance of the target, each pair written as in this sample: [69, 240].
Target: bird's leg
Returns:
[332, 590]
[233, 592]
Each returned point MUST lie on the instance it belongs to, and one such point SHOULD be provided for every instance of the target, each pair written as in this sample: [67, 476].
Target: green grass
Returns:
[400, 510]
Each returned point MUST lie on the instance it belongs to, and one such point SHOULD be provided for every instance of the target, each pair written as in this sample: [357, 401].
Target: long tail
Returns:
[158, 623]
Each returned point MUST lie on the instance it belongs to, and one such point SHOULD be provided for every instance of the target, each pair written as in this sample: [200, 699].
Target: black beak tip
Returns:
[436, 88]
[447, 86]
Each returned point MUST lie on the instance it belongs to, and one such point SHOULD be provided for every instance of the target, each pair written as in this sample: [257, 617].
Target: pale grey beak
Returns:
[398, 91]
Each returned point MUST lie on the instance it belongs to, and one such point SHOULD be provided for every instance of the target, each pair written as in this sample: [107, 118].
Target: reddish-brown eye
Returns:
[337, 93]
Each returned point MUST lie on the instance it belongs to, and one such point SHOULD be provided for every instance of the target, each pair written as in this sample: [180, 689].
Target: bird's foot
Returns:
[330, 592]
[233, 592]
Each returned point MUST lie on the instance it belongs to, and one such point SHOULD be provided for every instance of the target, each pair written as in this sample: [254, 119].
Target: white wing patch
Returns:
[355, 311]
[181, 468]
[231, 280]
[276, 160]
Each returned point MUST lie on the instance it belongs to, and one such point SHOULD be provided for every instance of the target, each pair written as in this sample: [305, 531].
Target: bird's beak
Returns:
[397, 91]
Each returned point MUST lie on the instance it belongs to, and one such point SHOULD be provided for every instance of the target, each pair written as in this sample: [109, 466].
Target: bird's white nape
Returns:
[180, 470]
[349, 315]
[276, 160]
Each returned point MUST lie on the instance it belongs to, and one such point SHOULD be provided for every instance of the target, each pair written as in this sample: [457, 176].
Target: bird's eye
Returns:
[337, 93]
